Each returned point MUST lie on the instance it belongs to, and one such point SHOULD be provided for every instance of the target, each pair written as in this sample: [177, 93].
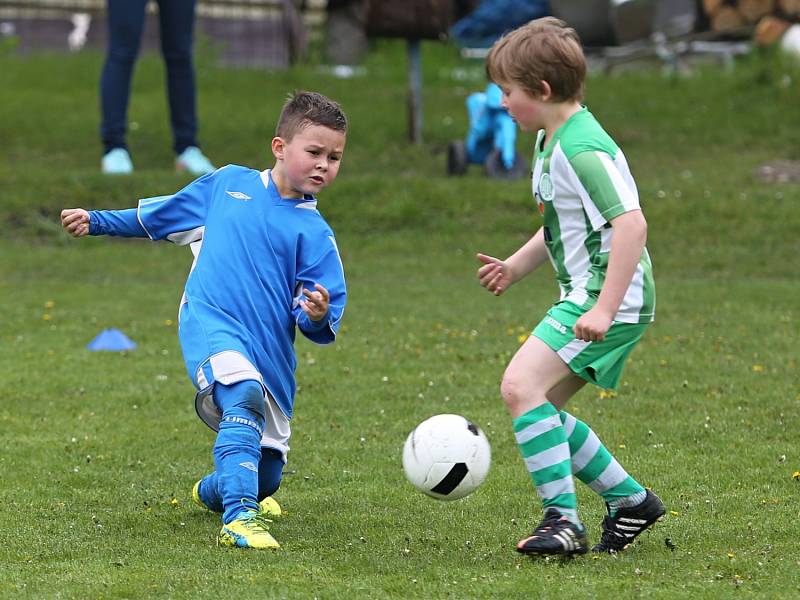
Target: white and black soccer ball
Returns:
[447, 457]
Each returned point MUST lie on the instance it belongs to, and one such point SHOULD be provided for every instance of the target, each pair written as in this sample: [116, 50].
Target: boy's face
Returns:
[525, 109]
[309, 161]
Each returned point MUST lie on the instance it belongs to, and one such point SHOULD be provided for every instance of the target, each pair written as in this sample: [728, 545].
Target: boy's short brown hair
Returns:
[309, 108]
[544, 49]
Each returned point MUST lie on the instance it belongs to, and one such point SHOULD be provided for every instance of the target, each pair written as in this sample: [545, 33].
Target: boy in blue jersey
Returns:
[265, 264]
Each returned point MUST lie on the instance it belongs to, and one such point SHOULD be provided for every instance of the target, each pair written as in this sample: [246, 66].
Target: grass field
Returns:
[98, 451]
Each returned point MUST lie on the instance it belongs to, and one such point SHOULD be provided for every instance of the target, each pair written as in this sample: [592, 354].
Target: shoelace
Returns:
[548, 523]
[257, 521]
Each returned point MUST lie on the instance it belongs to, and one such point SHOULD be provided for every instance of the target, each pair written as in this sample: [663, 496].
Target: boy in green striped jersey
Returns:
[594, 235]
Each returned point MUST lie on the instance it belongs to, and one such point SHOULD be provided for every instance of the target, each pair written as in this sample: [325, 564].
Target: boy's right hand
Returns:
[75, 221]
[494, 274]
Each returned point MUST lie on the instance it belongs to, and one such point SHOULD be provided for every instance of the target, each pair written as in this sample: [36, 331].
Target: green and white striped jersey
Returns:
[581, 181]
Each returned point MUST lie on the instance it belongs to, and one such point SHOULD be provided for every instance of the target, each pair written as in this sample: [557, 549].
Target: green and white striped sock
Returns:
[594, 465]
[543, 443]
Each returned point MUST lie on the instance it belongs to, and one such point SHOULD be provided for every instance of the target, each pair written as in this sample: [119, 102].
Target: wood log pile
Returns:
[770, 18]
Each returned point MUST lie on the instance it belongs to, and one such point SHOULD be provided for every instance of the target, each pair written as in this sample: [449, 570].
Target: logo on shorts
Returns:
[555, 325]
[546, 189]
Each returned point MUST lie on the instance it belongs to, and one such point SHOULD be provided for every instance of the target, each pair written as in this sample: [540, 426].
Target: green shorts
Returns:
[600, 363]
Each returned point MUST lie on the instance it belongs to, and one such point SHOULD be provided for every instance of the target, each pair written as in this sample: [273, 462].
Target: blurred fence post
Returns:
[414, 91]
[414, 21]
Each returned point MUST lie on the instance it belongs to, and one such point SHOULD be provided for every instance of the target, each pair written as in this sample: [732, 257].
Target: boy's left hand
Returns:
[593, 325]
[315, 304]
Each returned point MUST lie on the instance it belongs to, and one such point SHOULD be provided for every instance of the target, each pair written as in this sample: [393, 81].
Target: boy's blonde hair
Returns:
[309, 108]
[544, 49]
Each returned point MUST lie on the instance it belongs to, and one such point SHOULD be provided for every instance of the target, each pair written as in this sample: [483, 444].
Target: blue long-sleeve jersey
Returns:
[254, 254]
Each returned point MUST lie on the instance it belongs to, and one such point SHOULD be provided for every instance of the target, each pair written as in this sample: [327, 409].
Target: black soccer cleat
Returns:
[555, 535]
[621, 529]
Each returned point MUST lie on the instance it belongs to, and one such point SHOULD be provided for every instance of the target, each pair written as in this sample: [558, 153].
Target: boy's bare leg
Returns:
[534, 370]
[565, 389]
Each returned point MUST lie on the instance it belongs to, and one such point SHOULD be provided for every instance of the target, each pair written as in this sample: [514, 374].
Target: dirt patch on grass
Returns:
[780, 171]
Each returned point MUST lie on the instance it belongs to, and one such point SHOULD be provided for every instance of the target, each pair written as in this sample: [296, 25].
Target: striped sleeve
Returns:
[607, 193]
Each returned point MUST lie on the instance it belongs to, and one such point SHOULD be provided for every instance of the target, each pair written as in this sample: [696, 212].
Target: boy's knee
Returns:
[242, 402]
[511, 389]
[519, 391]
[252, 398]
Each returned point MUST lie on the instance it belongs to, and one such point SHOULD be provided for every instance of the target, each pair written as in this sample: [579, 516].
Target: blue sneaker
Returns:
[194, 161]
[117, 162]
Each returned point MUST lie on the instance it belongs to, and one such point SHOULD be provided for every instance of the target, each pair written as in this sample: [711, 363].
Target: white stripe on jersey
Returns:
[181, 238]
[572, 223]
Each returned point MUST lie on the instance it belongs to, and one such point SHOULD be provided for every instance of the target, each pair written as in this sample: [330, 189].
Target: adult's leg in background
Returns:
[125, 20]
[176, 20]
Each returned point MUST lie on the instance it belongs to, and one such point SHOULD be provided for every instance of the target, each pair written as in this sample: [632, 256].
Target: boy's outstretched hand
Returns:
[315, 304]
[494, 274]
[75, 221]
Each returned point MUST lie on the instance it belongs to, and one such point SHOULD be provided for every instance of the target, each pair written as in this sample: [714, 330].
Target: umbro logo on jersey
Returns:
[238, 195]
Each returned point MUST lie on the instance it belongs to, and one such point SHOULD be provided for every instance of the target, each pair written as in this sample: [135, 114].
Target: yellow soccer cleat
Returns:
[269, 505]
[250, 530]
[196, 496]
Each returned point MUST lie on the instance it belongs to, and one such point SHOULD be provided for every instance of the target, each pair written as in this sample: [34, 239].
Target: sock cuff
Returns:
[541, 412]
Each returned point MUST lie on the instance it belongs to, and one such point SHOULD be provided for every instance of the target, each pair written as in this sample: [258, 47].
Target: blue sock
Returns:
[209, 492]
[237, 451]
[270, 472]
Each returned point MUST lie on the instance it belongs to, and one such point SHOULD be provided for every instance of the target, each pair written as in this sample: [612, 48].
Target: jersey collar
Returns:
[307, 201]
[547, 148]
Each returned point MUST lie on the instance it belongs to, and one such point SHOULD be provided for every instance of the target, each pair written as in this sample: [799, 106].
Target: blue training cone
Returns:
[111, 340]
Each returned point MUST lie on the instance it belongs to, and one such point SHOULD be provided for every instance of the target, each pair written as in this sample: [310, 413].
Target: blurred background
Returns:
[99, 450]
[278, 33]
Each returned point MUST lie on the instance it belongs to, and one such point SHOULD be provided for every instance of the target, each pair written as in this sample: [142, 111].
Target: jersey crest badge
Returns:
[546, 189]
[238, 195]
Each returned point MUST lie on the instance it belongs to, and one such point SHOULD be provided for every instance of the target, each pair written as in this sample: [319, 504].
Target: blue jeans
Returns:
[125, 25]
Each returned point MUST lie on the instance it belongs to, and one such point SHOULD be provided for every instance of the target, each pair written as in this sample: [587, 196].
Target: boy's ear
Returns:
[278, 147]
[547, 91]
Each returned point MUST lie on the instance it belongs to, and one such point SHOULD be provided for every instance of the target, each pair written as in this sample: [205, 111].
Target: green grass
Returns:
[98, 452]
